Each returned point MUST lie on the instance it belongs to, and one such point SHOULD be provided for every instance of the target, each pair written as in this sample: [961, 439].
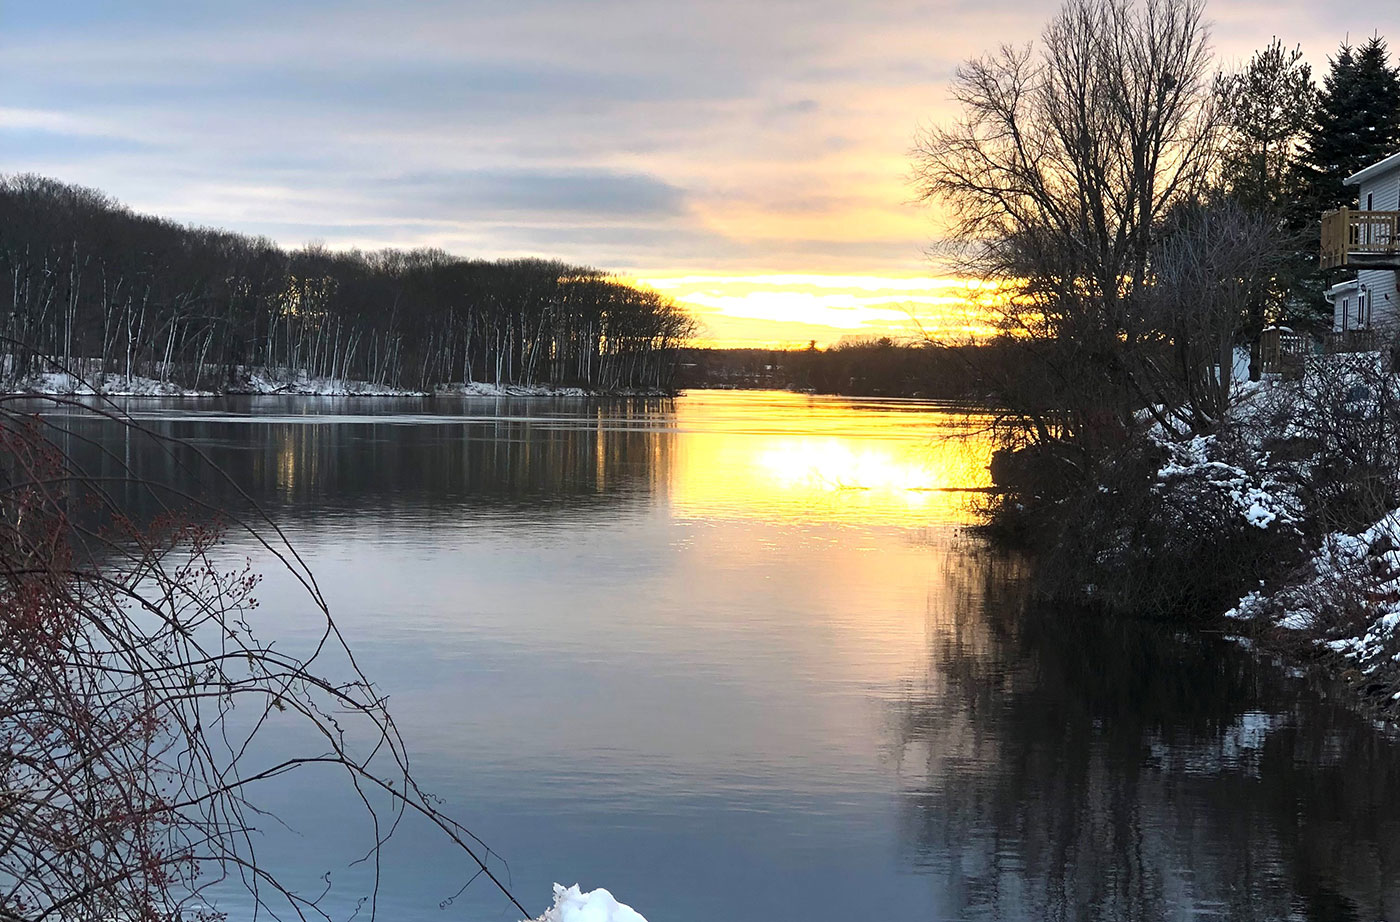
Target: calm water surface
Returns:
[732, 657]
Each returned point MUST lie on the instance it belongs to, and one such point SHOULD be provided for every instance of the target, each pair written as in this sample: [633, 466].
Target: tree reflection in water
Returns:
[324, 457]
[1057, 765]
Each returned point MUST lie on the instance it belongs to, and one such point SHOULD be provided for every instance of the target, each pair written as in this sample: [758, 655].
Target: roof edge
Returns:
[1375, 169]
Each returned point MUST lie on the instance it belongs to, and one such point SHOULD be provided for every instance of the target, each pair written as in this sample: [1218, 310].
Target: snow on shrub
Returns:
[1258, 497]
[1347, 595]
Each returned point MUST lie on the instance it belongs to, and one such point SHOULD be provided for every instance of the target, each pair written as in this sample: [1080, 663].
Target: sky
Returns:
[749, 157]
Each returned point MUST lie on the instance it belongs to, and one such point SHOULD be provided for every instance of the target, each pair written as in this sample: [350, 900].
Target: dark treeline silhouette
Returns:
[880, 368]
[737, 368]
[92, 285]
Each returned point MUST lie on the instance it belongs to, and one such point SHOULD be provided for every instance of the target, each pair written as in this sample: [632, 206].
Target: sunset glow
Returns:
[785, 310]
[752, 164]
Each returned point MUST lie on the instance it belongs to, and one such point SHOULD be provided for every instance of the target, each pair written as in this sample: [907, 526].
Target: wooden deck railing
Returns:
[1360, 238]
[1282, 351]
[1355, 341]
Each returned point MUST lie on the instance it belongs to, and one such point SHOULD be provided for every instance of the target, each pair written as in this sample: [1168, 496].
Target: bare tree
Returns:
[1211, 266]
[1057, 177]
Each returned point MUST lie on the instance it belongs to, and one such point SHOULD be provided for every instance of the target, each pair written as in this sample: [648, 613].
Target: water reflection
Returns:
[854, 462]
[364, 457]
[709, 455]
[1055, 766]
[726, 653]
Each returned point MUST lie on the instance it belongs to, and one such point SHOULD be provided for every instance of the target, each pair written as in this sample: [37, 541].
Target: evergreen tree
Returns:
[1268, 107]
[1357, 122]
[1267, 110]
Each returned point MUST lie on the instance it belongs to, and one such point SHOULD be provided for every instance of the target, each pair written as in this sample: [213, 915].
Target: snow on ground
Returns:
[264, 383]
[62, 384]
[259, 382]
[1350, 575]
[482, 389]
[573, 905]
[1345, 597]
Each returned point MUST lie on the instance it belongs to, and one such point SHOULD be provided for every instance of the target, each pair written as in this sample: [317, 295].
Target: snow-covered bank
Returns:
[1340, 610]
[1276, 516]
[305, 386]
[481, 389]
[573, 905]
[1315, 464]
[63, 384]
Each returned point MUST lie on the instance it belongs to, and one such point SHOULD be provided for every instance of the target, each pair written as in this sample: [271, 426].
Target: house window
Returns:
[1370, 201]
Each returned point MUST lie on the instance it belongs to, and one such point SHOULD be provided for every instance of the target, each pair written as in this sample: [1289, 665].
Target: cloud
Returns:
[630, 134]
[606, 194]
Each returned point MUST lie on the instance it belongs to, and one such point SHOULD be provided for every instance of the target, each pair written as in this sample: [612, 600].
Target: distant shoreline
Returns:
[62, 384]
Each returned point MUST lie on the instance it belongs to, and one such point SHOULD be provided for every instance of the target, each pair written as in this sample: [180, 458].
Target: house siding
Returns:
[1379, 286]
[1344, 313]
[1380, 291]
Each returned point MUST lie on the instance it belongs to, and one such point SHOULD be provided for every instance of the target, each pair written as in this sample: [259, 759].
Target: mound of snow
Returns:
[573, 905]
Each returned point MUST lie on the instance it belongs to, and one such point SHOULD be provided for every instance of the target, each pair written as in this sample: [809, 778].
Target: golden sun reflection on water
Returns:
[868, 462]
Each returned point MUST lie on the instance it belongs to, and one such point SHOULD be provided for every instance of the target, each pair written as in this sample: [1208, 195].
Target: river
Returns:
[736, 658]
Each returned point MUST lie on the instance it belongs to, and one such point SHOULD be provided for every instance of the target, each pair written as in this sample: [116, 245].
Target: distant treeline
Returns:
[883, 368]
[91, 284]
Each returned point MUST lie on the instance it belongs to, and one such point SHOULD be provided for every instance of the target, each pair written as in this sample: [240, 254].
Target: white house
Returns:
[1366, 239]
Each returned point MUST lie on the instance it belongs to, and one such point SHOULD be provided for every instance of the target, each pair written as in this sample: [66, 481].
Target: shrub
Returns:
[126, 783]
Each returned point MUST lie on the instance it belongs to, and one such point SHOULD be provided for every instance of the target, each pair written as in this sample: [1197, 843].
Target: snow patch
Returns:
[259, 382]
[481, 389]
[1261, 500]
[264, 382]
[573, 905]
[1360, 570]
[63, 384]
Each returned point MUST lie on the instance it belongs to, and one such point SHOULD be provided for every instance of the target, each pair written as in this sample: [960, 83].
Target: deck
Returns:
[1360, 239]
